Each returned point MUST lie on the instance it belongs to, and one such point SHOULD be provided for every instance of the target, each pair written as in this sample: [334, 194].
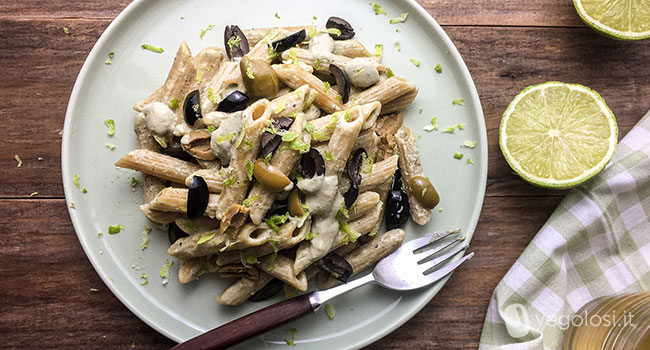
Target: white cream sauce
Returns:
[225, 148]
[362, 72]
[321, 46]
[160, 119]
[323, 200]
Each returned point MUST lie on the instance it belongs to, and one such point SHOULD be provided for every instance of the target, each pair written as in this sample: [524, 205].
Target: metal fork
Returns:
[406, 268]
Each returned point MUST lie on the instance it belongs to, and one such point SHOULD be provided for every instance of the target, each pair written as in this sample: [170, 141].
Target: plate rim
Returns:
[427, 295]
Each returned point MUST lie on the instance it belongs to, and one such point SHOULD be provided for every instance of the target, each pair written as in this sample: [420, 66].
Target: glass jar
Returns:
[611, 323]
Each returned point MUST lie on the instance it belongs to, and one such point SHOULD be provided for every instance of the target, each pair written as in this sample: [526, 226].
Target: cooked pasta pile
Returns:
[276, 158]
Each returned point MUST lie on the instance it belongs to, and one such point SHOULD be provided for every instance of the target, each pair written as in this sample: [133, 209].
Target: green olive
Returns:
[259, 78]
[295, 208]
[424, 191]
[270, 177]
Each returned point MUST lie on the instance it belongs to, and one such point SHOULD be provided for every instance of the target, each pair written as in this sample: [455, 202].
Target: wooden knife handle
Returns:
[250, 325]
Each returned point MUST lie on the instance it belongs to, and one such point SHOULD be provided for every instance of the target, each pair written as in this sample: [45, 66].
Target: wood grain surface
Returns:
[46, 300]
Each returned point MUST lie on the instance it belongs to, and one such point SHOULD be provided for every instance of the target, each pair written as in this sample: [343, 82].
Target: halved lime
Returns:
[558, 135]
[618, 19]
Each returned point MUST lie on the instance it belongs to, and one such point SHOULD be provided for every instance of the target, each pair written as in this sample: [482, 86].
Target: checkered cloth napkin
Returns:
[596, 243]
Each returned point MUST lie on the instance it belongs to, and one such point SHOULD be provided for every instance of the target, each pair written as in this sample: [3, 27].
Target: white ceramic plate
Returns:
[109, 91]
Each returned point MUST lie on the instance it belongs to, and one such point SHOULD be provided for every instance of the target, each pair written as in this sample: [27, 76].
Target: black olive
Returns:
[192, 108]
[347, 32]
[354, 165]
[350, 196]
[235, 101]
[237, 47]
[269, 290]
[197, 198]
[271, 141]
[175, 150]
[312, 163]
[336, 266]
[289, 41]
[342, 82]
[174, 233]
[397, 204]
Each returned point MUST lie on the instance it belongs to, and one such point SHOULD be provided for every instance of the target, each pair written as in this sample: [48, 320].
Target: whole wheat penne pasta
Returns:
[256, 35]
[410, 166]
[201, 224]
[385, 91]
[255, 119]
[208, 62]
[366, 255]
[262, 50]
[312, 112]
[285, 240]
[307, 255]
[370, 111]
[190, 269]
[343, 250]
[281, 267]
[212, 178]
[320, 65]
[189, 247]
[291, 103]
[159, 217]
[242, 289]
[175, 200]
[368, 140]
[209, 164]
[226, 80]
[151, 184]
[364, 204]
[158, 165]
[324, 126]
[229, 257]
[350, 48]
[342, 140]
[256, 238]
[294, 77]
[382, 172]
[180, 81]
[399, 103]
[284, 159]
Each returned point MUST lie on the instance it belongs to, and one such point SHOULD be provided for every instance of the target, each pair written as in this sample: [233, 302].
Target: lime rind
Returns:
[558, 184]
[606, 30]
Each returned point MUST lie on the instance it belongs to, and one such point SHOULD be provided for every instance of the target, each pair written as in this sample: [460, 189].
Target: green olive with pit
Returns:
[259, 77]
[293, 202]
[424, 191]
[270, 177]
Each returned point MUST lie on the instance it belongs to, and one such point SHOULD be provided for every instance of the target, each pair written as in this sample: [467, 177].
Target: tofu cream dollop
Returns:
[160, 118]
[323, 199]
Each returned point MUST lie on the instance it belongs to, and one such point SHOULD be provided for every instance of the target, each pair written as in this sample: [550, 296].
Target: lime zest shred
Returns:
[164, 271]
[458, 102]
[379, 50]
[331, 312]
[389, 73]
[470, 161]
[461, 126]
[204, 31]
[242, 135]
[317, 64]
[249, 170]
[135, 182]
[458, 155]
[334, 31]
[212, 96]
[233, 41]
[309, 127]
[350, 235]
[292, 341]
[378, 10]
[310, 235]
[289, 136]
[438, 68]
[75, 180]
[276, 220]
[399, 46]
[20, 162]
[206, 237]
[173, 103]
[402, 18]
[416, 62]
[299, 146]
[373, 233]
[250, 200]
[434, 123]
[146, 234]
[110, 146]
[145, 279]
[314, 17]
[326, 86]
[111, 55]
[110, 123]
[226, 138]
[249, 70]
[152, 48]
[470, 144]
[211, 129]
[328, 155]
[449, 130]
[114, 229]
[277, 16]
[66, 30]
[267, 158]
[84, 190]
[108, 61]
[229, 181]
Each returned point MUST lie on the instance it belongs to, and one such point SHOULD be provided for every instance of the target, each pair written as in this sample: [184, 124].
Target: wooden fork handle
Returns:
[250, 325]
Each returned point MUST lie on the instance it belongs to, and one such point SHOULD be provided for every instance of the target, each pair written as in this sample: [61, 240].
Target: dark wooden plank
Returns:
[46, 281]
[44, 63]
[446, 12]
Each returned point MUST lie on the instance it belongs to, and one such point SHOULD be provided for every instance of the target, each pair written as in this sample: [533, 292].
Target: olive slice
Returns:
[235, 101]
[422, 189]
[270, 177]
[294, 205]
[235, 42]
[197, 198]
[354, 165]
[174, 233]
[347, 32]
[342, 82]
[312, 163]
[269, 290]
[271, 141]
[289, 41]
[192, 108]
[336, 266]
[397, 204]
[350, 196]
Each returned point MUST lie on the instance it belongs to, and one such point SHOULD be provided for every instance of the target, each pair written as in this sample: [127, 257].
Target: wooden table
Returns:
[45, 298]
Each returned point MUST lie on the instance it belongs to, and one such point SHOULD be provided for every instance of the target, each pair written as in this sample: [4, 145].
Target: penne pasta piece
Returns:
[363, 257]
[208, 62]
[307, 255]
[216, 87]
[285, 239]
[281, 267]
[180, 81]
[368, 140]
[324, 126]
[201, 224]
[239, 271]
[386, 127]
[159, 217]
[242, 289]
[410, 166]
[350, 48]
[382, 172]
[190, 269]
[284, 159]
[345, 134]
[312, 112]
[400, 103]
[256, 35]
[151, 184]
[294, 77]
[212, 178]
[292, 103]
[385, 91]
[255, 119]
[364, 204]
[370, 111]
[158, 165]
[320, 64]
[174, 200]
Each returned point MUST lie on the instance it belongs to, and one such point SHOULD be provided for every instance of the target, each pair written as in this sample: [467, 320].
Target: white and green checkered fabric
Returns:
[596, 243]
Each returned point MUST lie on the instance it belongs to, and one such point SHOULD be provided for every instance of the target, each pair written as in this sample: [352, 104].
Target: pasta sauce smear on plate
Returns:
[276, 158]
